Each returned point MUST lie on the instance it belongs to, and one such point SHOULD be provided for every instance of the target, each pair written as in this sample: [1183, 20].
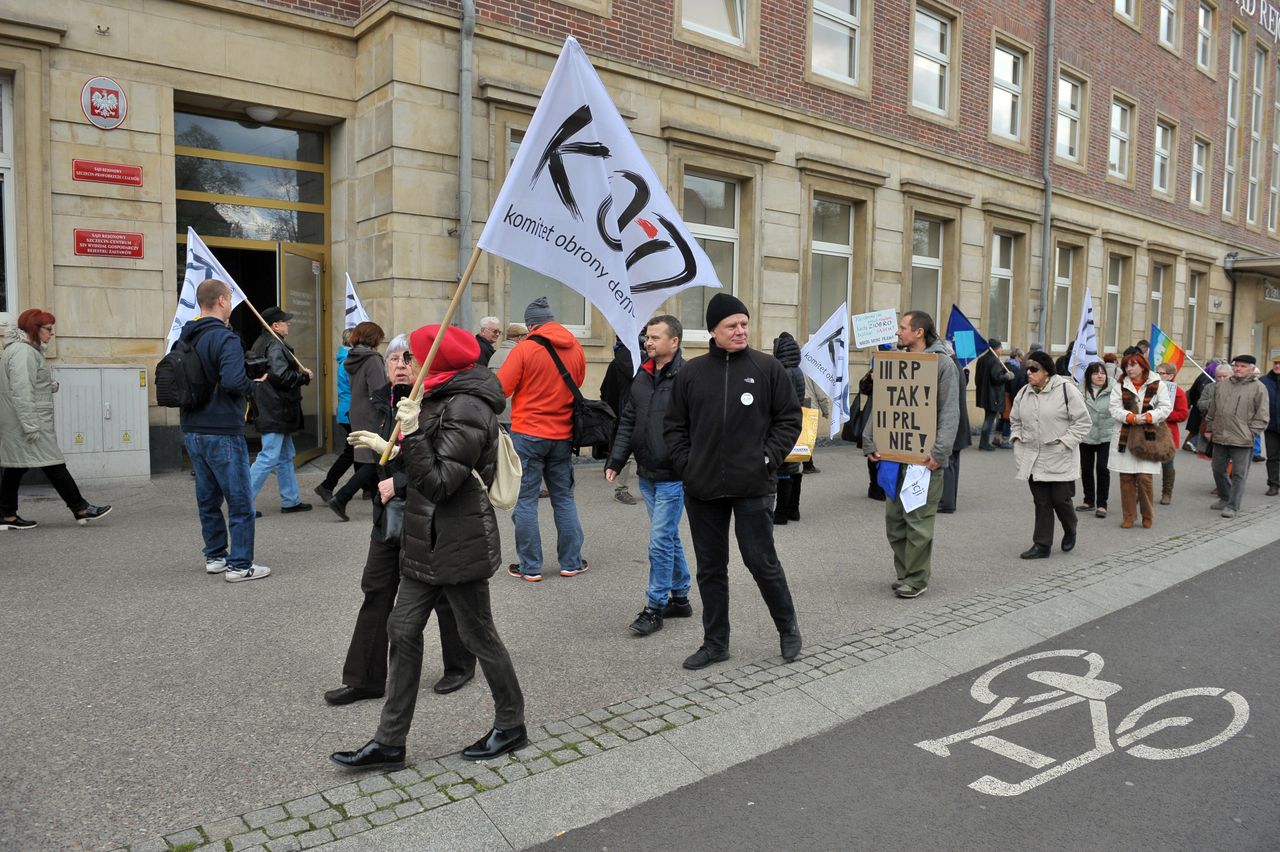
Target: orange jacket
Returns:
[541, 404]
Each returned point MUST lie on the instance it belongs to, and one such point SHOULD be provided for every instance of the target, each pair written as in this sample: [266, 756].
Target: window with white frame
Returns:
[1199, 170]
[1231, 156]
[1121, 125]
[1111, 308]
[926, 265]
[1189, 316]
[1161, 169]
[1000, 286]
[837, 28]
[931, 69]
[1070, 96]
[1204, 37]
[1168, 31]
[1273, 195]
[1125, 9]
[830, 259]
[711, 212]
[722, 19]
[8, 210]
[1256, 119]
[1060, 303]
[1006, 92]
[1159, 277]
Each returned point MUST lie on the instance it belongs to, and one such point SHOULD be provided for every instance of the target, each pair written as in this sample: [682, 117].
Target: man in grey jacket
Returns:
[1238, 412]
[911, 533]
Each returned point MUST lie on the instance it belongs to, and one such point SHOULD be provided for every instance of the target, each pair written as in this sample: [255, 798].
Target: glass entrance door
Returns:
[302, 294]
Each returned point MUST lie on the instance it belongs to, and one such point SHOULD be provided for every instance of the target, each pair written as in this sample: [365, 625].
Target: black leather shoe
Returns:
[325, 492]
[339, 508]
[349, 694]
[1068, 542]
[452, 682]
[496, 743]
[790, 642]
[297, 507]
[1036, 552]
[648, 622]
[374, 755]
[704, 657]
[677, 608]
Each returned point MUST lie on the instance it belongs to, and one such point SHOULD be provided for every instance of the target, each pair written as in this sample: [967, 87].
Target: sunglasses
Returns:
[1033, 369]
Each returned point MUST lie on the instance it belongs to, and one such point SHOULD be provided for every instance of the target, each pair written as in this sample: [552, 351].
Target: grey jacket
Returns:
[1104, 425]
[948, 407]
[1240, 410]
[27, 437]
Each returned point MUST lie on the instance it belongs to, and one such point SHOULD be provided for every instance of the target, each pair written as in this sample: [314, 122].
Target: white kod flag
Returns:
[201, 264]
[825, 359]
[356, 313]
[582, 205]
[1085, 350]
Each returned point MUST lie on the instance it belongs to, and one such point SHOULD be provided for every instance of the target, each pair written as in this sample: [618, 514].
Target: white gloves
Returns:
[407, 413]
[371, 441]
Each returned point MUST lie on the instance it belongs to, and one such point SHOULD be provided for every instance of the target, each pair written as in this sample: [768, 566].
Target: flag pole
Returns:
[271, 331]
[416, 393]
[992, 353]
[1196, 365]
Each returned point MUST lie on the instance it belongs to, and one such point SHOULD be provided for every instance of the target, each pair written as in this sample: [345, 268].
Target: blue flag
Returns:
[964, 337]
[887, 478]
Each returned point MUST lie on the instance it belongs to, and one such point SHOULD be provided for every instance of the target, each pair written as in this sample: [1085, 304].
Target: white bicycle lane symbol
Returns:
[1065, 691]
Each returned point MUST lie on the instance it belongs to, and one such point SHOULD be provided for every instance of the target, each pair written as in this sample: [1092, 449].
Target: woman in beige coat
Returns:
[1140, 399]
[1049, 420]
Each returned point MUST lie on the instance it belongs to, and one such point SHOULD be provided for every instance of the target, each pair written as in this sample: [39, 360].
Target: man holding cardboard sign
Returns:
[916, 406]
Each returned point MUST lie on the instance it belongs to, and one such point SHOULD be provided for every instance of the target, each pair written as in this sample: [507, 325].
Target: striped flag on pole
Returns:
[1164, 350]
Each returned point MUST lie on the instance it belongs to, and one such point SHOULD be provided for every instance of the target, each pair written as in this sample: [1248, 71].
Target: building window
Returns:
[1162, 165]
[722, 19]
[1256, 119]
[1006, 92]
[837, 27]
[8, 243]
[830, 259]
[1121, 123]
[931, 70]
[1199, 167]
[1117, 268]
[1070, 106]
[1126, 9]
[1168, 34]
[1231, 156]
[1000, 286]
[1060, 329]
[1204, 37]
[711, 212]
[1273, 195]
[1159, 276]
[926, 265]
[1189, 317]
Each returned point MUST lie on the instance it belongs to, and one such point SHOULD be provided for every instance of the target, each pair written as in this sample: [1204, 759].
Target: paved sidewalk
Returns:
[165, 709]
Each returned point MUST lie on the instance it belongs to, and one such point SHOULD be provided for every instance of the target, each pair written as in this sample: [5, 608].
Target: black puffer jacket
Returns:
[640, 428]
[279, 398]
[450, 530]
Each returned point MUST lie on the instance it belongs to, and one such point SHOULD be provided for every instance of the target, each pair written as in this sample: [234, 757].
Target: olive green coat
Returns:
[27, 438]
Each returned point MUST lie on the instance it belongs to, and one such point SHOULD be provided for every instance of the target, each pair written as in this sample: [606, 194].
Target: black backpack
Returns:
[181, 378]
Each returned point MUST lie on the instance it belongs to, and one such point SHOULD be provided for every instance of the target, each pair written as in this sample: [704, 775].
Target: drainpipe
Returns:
[465, 75]
[1229, 267]
[1046, 161]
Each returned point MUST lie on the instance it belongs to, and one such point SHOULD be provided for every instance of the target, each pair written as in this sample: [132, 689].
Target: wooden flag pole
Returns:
[416, 393]
[992, 353]
[271, 331]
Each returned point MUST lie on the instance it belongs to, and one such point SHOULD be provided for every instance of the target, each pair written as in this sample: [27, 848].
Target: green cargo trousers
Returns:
[911, 534]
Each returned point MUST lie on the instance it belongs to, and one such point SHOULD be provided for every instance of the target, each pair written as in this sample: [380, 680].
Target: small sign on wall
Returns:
[109, 243]
[104, 104]
[96, 172]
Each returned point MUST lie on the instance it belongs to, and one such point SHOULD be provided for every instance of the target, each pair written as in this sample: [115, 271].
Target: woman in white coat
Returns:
[1138, 400]
[1049, 420]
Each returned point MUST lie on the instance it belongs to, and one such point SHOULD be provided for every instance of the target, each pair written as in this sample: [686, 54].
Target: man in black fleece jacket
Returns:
[732, 421]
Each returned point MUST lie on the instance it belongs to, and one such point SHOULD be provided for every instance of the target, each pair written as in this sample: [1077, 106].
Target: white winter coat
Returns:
[1126, 462]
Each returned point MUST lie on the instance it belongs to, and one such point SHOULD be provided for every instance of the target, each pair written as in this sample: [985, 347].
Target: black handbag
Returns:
[857, 423]
[393, 521]
[594, 421]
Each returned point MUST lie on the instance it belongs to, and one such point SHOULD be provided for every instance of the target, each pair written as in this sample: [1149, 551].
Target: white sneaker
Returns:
[253, 572]
[215, 565]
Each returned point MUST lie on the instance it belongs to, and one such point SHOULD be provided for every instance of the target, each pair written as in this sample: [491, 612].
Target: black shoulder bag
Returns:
[594, 422]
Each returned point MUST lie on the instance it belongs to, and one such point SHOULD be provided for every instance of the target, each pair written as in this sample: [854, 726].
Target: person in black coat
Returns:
[614, 390]
[279, 411]
[991, 379]
[450, 547]
[790, 474]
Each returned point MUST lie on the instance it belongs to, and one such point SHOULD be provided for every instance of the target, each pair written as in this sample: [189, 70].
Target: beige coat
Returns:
[1048, 427]
[1239, 410]
[27, 437]
[1126, 462]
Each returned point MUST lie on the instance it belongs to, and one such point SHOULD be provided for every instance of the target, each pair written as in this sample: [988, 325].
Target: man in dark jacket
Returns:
[641, 432]
[279, 411]
[791, 474]
[615, 390]
[214, 437]
[992, 380]
[733, 419]
[1271, 381]
[964, 439]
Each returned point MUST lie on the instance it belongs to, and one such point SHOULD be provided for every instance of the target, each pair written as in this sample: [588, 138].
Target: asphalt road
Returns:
[868, 785]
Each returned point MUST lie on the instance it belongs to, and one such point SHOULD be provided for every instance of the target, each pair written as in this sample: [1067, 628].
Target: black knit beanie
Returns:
[723, 305]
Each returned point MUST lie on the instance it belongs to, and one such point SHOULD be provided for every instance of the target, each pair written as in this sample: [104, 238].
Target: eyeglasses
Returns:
[400, 359]
[47, 328]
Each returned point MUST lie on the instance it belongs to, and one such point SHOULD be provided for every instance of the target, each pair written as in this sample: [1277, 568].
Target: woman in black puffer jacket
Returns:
[790, 474]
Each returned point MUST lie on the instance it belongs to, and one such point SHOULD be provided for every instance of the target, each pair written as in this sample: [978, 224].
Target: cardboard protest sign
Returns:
[905, 405]
[875, 328]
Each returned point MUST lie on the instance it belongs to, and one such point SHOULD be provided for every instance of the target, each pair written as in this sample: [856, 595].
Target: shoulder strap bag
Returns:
[594, 422]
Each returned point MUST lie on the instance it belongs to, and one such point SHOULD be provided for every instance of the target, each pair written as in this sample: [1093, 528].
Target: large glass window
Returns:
[837, 28]
[1125, 8]
[1256, 119]
[1160, 275]
[1121, 123]
[1204, 37]
[8, 248]
[722, 19]
[1000, 287]
[1116, 269]
[1161, 173]
[711, 212]
[1231, 156]
[926, 266]
[1199, 170]
[1070, 96]
[1060, 329]
[1006, 92]
[1189, 315]
[1168, 33]
[930, 77]
[830, 259]
[1273, 193]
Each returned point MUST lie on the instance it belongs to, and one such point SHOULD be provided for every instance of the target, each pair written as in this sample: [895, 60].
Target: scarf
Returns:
[1131, 405]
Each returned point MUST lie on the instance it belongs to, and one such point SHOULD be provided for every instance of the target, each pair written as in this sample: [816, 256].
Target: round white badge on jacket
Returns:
[747, 399]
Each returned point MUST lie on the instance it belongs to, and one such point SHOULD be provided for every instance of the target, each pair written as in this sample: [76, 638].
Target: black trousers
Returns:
[343, 462]
[950, 483]
[1095, 475]
[470, 605]
[1052, 498]
[57, 474]
[1272, 442]
[365, 477]
[753, 526]
[366, 665]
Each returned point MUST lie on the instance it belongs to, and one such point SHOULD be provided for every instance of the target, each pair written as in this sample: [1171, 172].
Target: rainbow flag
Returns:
[1163, 349]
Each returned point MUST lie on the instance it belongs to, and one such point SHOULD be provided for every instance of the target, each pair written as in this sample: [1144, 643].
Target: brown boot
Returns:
[1166, 488]
[1128, 500]
[1145, 502]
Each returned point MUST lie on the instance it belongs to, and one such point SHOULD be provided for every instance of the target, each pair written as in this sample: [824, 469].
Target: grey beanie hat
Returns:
[538, 312]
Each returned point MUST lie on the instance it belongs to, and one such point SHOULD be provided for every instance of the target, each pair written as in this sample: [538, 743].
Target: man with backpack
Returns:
[216, 390]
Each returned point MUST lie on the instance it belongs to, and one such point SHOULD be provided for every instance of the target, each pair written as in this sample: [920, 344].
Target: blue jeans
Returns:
[277, 455]
[545, 459]
[668, 572]
[221, 465]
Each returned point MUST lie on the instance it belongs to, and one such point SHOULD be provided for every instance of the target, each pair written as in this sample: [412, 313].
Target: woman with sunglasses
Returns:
[1141, 399]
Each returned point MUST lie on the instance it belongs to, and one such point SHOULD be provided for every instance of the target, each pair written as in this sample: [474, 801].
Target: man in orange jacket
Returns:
[541, 429]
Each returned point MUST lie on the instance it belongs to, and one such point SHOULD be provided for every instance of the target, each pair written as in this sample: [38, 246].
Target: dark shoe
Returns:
[544, 493]
[790, 643]
[514, 571]
[622, 495]
[496, 743]
[1036, 552]
[17, 524]
[950, 510]
[876, 495]
[779, 519]
[374, 755]
[1273, 491]
[648, 622]
[810, 467]
[677, 608]
[325, 492]
[338, 508]
[349, 695]
[704, 657]
[1068, 542]
[452, 682]
[1257, 459]
[257, 513]
[300, 507]
[91, 513]
[987, 449]
[1085, 507]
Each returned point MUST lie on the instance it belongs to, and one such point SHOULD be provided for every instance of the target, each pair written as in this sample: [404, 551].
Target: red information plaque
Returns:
[108, 243]
[96, 172]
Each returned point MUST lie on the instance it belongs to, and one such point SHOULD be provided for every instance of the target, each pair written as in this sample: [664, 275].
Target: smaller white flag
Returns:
[825, 359]
[1085, 350]
[356, 313]
[201, 265]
